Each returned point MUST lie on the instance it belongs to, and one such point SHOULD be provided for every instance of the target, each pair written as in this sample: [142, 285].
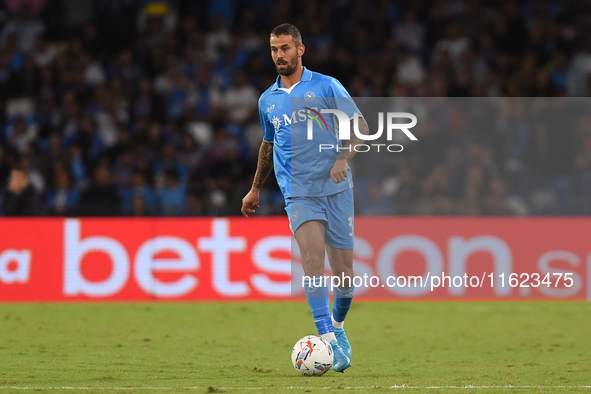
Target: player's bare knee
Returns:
[343, 273]
[313, 263]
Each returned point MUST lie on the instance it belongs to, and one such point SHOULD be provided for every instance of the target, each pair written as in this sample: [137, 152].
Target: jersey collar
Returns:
[306, 76]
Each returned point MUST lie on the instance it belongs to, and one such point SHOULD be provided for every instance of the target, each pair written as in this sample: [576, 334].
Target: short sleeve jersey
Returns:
[290, 117]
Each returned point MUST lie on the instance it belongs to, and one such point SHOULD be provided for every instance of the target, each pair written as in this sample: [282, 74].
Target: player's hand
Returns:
[250, 202]
[338, 173]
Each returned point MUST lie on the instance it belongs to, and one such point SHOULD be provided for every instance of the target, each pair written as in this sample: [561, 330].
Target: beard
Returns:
[290, 67]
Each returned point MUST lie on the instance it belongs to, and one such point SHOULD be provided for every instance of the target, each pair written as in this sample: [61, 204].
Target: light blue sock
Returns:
[317, 295]
[342, 303]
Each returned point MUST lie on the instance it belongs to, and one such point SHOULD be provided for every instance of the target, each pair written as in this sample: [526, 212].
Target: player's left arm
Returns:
[338, 173]
[342, 100]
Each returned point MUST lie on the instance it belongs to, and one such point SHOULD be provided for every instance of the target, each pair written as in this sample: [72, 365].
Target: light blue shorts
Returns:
[336, 211]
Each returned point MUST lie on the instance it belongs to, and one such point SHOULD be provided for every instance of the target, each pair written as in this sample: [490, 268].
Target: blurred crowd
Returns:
[481, 156]
[149, 108]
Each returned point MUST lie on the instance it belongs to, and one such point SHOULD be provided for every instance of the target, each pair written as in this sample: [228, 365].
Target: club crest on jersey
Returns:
[309, 96]
[276, 123]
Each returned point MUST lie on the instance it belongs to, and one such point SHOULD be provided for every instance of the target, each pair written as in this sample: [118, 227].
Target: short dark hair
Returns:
[18, 167]
[172, 173]
[289, 30]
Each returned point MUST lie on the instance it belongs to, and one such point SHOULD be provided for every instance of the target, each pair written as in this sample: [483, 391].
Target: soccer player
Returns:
[316, 183]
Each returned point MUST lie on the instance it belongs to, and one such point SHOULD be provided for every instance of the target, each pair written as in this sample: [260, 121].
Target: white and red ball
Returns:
[312, 355]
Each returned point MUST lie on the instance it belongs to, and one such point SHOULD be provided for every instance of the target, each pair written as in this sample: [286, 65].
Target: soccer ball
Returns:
[312, 355]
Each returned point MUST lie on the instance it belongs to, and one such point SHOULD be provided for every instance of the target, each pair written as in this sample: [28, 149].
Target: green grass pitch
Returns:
[458, 347]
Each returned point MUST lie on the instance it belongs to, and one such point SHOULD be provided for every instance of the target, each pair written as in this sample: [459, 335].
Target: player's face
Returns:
[286, 54]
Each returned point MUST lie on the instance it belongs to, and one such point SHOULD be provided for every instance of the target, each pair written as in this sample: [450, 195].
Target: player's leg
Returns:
[341, 262]
[310, 238]
[339, 238]
[308, 222]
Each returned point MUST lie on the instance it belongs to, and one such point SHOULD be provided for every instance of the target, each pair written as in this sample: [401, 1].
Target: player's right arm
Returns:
[264, 168]
[264, 163]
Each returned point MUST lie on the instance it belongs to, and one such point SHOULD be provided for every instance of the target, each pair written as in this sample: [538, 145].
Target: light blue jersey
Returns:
[301, 168]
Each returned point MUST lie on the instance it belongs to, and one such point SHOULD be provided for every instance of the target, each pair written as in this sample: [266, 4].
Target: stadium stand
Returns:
[149, 108]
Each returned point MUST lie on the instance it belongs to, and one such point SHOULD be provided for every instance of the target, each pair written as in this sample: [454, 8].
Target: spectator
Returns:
[240, 104]
[410, 32]
[409, 71]
[19, 197]
[25, 26]
[169, 160]
[90, 142]
[453, 43]
[63, 196]
[44, 53]
[101, 197]
[407, 193]
[195, 205]
[145, 104]
[21, 135]
[94, 75]
[77, 13]
[173, 195]
[138, 199]
[35, 178]
[494, 202]
[579, 82]
[127, 69]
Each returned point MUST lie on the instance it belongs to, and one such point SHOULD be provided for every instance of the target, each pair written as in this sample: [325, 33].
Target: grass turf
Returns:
[245, 347]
